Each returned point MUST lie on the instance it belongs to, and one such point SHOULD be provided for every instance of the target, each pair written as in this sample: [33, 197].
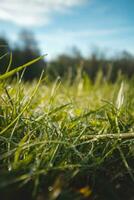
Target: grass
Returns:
[62, 141]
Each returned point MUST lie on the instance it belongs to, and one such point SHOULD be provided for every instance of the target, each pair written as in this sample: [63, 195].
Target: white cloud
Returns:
[33, 12]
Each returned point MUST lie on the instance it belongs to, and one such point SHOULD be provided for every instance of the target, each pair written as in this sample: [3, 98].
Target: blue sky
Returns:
[59, 25]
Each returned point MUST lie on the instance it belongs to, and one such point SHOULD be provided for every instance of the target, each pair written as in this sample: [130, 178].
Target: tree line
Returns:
[65, 65]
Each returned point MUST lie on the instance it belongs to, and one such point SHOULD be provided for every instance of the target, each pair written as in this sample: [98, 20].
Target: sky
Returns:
[59, 25]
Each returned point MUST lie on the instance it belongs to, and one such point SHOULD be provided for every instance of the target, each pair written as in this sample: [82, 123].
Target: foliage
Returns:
[62, 141]
[67, 66]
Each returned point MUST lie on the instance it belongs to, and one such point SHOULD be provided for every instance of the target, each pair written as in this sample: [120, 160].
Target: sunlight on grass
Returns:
[60, 130]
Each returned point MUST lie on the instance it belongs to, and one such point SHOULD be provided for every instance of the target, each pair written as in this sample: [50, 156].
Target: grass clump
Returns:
[61, 141]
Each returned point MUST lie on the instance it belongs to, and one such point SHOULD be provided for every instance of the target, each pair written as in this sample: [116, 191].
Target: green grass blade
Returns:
[12, 72]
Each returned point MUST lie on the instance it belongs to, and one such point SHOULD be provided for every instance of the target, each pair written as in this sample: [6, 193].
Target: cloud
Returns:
[34, 12]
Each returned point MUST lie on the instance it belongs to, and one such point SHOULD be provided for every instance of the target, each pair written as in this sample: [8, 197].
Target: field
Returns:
[62, 140]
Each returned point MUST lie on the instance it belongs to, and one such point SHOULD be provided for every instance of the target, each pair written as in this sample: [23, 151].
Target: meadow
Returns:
[62, 140]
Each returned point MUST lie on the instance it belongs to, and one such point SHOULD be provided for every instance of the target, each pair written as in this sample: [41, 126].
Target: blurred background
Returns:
[86, 35]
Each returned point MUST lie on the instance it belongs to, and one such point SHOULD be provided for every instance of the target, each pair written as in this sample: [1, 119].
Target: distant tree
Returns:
[4, 54]
[76, 53]
[27, 41]
[123, 63]
[26, 51]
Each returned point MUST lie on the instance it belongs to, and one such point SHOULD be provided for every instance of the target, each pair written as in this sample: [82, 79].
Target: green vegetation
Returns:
[65, 140]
